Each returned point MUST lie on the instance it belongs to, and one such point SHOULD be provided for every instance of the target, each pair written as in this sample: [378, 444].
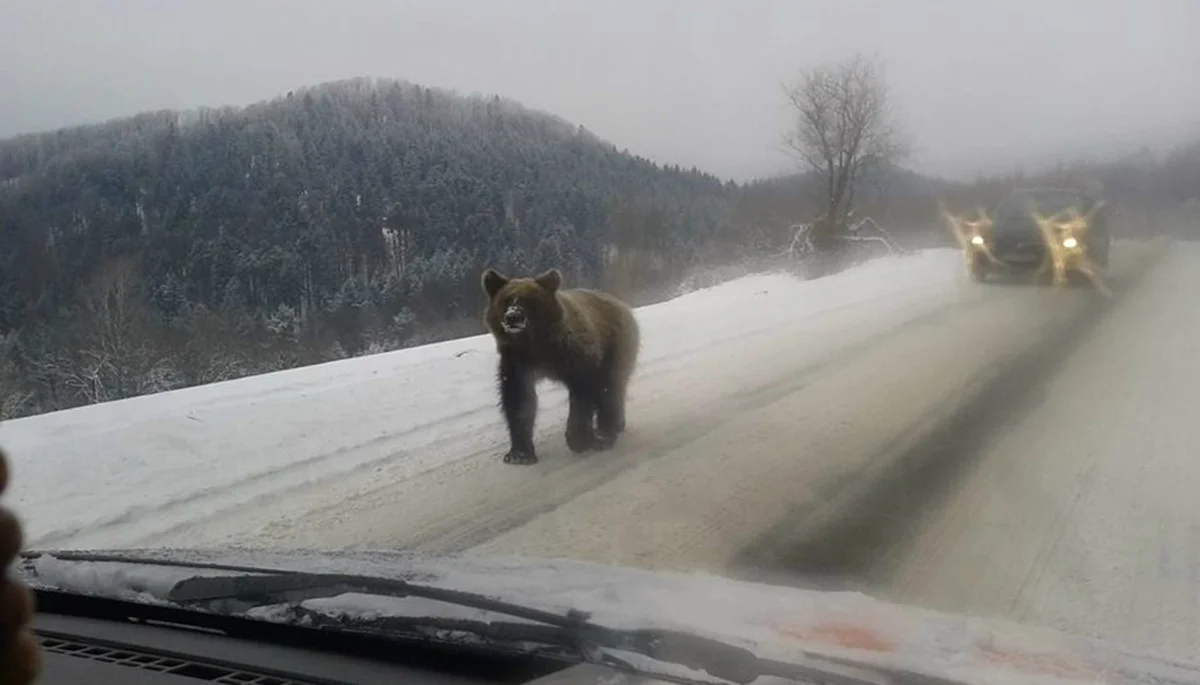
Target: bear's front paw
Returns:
[521, 457]
[605, 441]
[580, 440]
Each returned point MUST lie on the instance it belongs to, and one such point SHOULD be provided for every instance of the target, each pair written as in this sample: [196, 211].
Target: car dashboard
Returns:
[105, 652]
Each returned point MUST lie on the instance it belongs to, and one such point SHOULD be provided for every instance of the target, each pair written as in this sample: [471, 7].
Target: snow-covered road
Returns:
[1081, 512]
[290, 457]
[753, 400]
[766, 418]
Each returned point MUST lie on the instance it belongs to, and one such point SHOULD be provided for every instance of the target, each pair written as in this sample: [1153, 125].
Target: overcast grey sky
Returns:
[979, 84]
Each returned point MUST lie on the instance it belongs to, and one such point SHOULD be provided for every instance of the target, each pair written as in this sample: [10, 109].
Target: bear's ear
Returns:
[492, 282]
[550, 280]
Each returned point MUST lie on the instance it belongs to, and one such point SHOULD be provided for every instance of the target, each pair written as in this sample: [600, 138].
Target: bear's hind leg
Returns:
[581, 436]
[610, 418]
[610, 414]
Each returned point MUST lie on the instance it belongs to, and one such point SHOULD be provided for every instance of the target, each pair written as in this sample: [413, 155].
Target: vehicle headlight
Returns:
[977, 240]
[1070, 243]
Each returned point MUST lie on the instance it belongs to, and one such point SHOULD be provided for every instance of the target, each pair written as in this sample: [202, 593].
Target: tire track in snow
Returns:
[1081, 514]
[850, 536]
[472, 496]
[698, 506]
[487, 519]
[224, 431]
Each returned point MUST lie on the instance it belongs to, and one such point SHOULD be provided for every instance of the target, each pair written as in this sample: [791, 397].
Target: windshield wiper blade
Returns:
[588, 640]
[725, 661]
[294, 586]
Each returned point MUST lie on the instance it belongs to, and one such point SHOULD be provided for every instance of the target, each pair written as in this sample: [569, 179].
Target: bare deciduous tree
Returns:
[843, 129]
[14, 395]
[117, 353]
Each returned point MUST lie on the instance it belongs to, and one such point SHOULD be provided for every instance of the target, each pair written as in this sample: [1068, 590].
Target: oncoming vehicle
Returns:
[1040, 230]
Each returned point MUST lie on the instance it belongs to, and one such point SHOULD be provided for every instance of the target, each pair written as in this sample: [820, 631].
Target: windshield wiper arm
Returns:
[715, 657]
[260, 586]
[720, 659]
[291, 586]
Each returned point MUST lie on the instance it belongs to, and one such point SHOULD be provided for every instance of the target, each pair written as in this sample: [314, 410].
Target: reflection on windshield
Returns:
[564, 298]
[1046, 202]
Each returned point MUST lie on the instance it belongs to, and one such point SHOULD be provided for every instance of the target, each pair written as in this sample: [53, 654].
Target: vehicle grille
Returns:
[1020, 245]
[1018, 240]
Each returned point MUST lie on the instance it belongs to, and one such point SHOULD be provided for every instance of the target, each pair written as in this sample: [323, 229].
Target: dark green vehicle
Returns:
[1016, 243]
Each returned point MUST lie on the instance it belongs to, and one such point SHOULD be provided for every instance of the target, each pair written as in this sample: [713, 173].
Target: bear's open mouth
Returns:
[513, 321]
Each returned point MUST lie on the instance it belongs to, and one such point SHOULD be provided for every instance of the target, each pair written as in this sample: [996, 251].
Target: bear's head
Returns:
[524, 307]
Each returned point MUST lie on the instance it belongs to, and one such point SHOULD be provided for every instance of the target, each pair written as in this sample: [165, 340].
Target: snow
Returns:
[147, 584]
[774, 622]
[112, 474]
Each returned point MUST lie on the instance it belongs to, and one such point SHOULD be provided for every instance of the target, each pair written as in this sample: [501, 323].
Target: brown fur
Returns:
[586, 339]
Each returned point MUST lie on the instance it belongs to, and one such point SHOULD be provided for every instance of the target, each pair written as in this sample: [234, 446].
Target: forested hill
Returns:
[351, 215]
[339, 194]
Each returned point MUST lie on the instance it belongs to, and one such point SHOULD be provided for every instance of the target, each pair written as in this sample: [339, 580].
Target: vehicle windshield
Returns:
[1047, 202]
[524, 294]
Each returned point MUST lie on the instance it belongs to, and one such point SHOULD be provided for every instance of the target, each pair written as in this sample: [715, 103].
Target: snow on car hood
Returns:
[773, 621]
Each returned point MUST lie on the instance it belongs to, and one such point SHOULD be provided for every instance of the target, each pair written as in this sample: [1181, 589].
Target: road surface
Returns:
[1051, 446]
[323, 455]
[768, 434]
[473, 497]
[999, 450]
[1081, 513]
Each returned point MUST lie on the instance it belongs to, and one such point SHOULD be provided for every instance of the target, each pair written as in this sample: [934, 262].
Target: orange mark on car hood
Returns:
[841, 634]
[1058, 665]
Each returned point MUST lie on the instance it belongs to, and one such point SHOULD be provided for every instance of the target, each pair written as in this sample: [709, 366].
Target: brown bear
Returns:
[585, 339]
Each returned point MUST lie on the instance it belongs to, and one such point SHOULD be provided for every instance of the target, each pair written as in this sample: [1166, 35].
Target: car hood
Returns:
[773, 621]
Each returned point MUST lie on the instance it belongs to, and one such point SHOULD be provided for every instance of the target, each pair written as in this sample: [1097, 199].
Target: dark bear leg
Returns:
[610, 419]
[581, 437]
[518, 400]
[610, 414]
